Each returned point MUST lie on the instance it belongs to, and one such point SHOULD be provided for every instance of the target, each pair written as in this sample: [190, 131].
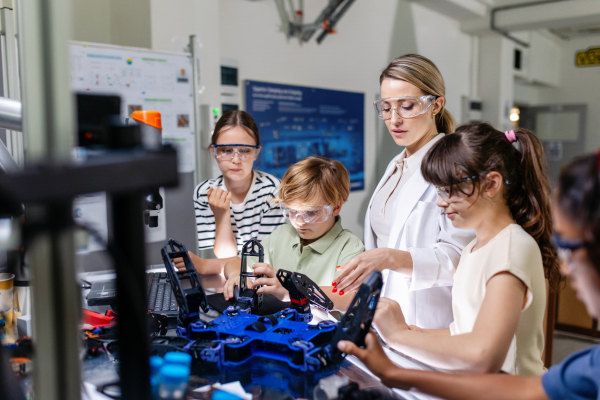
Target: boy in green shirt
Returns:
[311, 195]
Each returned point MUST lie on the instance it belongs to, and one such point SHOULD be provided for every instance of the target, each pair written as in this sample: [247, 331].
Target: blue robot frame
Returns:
[237, 336]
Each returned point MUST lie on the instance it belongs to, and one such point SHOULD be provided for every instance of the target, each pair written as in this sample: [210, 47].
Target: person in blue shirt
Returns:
[577, 237]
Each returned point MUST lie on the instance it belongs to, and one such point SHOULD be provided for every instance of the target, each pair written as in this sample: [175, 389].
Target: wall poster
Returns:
[296, 122]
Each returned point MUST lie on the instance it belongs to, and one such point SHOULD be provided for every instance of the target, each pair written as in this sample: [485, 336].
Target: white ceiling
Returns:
[565, 18]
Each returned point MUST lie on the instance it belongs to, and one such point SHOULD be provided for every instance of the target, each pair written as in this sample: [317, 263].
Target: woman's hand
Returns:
[388, 319]
[373, 357]
[232, 282]
[355, 271]
[219, 201]
[269, 280]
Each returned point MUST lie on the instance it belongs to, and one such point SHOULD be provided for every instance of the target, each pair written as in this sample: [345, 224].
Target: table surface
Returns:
[265, 379]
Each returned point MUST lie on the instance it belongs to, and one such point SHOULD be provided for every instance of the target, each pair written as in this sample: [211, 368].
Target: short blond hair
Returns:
[314, 178]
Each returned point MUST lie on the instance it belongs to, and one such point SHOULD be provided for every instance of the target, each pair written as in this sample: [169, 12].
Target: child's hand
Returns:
[231, 283]
[373, 357]
[180, 265]
[388, 318]
[269, 280]
[219, 201]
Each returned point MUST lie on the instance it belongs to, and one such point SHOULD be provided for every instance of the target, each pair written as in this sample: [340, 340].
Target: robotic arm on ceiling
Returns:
[293, 25]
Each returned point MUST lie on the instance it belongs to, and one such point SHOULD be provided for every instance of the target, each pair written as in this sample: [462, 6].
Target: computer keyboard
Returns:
[160, 295]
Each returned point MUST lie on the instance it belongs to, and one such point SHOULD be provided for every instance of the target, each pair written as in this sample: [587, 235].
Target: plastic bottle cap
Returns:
[151, 118]
[175, 357]
[174, 374]
[155, 363]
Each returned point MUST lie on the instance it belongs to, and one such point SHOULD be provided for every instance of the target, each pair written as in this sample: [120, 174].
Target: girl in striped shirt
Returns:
[235, 207]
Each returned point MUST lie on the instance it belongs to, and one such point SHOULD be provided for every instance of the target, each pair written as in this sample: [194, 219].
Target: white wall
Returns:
[173, 24]
[440, 39]
[124, 23]
[578, 86]
[496, 80]
[91, 21]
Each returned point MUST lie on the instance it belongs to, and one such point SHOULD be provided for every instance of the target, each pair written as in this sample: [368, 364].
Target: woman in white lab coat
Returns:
[407, 236]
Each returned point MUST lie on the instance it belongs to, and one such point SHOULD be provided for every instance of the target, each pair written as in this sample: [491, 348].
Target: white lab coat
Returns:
[420, 227]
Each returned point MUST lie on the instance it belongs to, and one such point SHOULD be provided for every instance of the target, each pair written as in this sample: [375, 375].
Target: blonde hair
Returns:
[421, 72]
[314, 178]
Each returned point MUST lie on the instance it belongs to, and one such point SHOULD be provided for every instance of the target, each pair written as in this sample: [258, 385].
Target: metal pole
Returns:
[134, 343]
[56, 306]
[199, 172]
[47, 99]
[10, 55]
[7, 163]
[11, 114]
[334, 20]
[49, 125]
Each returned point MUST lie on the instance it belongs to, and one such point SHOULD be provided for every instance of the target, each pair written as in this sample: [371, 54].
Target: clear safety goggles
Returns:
[226, 152]
[316, 214]
[445, 193]
[565, 249]
[405, 107]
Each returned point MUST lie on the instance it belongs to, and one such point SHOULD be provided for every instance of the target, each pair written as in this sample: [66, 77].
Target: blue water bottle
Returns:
[156, 363]
[178, 358]
[173, 382]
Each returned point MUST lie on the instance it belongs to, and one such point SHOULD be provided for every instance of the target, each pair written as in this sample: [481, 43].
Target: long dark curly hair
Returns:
[478, 149]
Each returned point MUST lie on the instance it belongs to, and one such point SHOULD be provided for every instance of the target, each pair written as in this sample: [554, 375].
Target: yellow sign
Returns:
[588, 57]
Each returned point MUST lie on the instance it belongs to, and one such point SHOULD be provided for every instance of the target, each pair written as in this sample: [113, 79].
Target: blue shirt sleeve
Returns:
[577, 377]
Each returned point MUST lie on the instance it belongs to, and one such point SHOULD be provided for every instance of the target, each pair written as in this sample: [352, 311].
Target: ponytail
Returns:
[529, 200]
[444, 122]
[478, 149]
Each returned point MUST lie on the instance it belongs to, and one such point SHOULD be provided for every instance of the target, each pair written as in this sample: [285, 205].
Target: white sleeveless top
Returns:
[512, 250]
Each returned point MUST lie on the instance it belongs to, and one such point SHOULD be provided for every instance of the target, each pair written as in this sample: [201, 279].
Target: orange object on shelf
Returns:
[151, 118]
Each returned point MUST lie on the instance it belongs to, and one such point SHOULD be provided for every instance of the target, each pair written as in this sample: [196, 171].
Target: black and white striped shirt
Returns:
[255, 217]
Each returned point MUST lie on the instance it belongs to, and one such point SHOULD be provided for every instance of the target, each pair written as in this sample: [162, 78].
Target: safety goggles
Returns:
[316, 214]
[445, 193]
[405, 107]
[565, 249]
[226, 152]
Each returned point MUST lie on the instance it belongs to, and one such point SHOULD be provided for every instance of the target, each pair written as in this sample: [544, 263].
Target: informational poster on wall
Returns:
[145, 80]
[296, 122]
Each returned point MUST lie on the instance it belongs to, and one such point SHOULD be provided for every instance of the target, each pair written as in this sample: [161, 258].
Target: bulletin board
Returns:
[145, 80]
[296, 122]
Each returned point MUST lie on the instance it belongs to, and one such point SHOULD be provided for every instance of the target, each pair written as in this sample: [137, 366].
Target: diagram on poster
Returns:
[296, 122]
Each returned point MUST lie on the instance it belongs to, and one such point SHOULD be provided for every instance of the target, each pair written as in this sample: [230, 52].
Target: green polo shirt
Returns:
[283, 250]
